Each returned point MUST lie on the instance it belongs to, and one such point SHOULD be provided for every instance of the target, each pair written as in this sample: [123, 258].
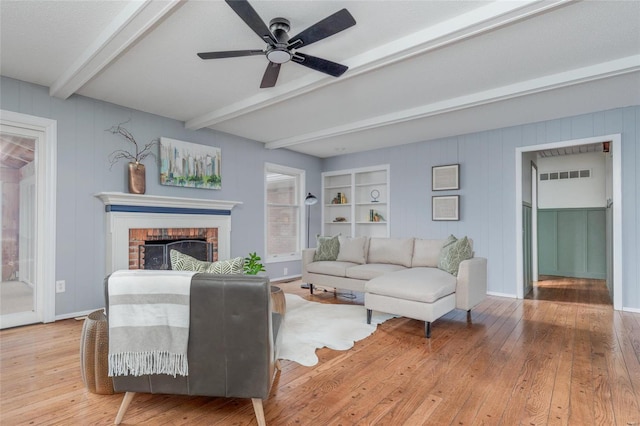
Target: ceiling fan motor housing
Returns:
[279, 54]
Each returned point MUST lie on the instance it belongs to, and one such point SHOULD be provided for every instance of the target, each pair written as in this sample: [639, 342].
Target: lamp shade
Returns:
[310, 200]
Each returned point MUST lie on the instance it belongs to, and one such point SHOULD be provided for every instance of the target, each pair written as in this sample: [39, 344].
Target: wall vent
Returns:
[569, 174]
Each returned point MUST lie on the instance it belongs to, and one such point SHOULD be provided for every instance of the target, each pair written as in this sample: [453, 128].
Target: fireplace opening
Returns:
[149, 248]
[156, 254]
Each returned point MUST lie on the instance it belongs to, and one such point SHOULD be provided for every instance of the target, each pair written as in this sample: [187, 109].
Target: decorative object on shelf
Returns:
[189, 164]
[340, 219]
[375, 194]
[374, 216]
[339, 199]
[252, 264]
[137, 173]
[446, 208]
[137, 178]
[444, 178]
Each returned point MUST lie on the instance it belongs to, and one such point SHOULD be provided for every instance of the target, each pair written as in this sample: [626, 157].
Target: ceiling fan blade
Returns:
[248, 14]
[229, 54]
[270, 75]
[319, 64]
[339, 21]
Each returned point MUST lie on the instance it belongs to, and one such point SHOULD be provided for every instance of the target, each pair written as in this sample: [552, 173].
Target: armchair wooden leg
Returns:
[128, 397]
[257, 407]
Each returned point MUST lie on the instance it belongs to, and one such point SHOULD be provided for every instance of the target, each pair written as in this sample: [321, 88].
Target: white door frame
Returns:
[534, 221]
[616, 145]
[46, 171]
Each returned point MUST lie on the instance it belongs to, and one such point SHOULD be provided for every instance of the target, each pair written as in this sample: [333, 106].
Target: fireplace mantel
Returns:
[124, 199]
[133, 211]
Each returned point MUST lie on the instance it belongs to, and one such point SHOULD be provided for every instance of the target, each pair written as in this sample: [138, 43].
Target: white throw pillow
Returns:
[352, 250]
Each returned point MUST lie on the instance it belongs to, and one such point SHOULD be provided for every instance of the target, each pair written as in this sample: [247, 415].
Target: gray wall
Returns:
[488, 188]
[83, 170]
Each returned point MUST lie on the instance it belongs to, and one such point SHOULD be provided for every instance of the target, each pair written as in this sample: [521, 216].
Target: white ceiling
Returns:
[418, 70]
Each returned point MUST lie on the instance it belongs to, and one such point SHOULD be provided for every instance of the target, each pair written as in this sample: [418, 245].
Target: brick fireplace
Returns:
[164, 218]
[142, 236]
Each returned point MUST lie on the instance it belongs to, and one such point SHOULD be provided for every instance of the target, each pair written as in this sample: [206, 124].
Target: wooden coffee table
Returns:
[278, 302]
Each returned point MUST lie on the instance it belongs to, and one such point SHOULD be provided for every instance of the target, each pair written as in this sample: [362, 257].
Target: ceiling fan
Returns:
[280, 48]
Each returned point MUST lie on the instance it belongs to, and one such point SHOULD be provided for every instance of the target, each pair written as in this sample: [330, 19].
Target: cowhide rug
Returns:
[311, 325]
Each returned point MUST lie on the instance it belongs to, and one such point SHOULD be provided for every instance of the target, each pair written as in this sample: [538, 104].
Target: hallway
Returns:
[570, 290]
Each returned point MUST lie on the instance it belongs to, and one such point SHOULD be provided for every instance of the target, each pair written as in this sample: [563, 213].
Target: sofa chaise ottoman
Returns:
[410, 277]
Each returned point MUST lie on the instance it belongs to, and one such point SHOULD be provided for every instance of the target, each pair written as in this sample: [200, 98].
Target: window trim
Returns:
[277, 168]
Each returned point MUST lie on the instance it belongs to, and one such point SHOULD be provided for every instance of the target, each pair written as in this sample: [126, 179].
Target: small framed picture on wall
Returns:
[445, 178]
[445, 207]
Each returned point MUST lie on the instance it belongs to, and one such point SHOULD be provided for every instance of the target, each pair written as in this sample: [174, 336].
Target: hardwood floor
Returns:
[530, 362]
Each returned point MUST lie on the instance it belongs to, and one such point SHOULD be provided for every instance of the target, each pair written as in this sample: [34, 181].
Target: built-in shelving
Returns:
[361, 197]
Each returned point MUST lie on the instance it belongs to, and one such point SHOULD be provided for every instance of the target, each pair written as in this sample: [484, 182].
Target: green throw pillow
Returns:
[454, 252]
[184, 262]
[231, 266]
[327, 248]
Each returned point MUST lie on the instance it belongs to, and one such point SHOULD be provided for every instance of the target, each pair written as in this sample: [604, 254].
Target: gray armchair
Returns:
[232, 350]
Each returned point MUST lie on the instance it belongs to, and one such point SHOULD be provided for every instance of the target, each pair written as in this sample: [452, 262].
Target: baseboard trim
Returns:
[286, 279]
[75, 314]
[634, 310]
[508, 295]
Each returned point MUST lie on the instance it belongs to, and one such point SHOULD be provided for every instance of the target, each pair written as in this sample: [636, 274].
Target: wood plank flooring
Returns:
[573, 361]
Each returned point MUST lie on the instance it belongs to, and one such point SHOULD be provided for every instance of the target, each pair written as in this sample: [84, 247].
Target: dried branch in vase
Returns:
[121, 154]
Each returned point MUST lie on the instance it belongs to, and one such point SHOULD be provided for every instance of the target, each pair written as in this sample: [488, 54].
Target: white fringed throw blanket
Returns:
[149, 322]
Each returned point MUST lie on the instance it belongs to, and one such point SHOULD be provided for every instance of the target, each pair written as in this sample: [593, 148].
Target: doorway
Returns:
[27, 182]
[614, 239]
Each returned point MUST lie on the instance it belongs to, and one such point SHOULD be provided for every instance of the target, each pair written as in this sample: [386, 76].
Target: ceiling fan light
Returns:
[278, 56]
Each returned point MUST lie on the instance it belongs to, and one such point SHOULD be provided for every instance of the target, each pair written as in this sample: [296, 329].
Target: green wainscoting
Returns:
[572, 242]
[526, 248]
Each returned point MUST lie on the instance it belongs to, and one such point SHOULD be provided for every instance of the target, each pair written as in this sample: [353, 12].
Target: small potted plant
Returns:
[252, 265]
[137, 177]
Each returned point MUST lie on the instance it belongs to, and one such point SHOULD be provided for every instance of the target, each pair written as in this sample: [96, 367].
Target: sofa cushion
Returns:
[420, 284]
[327, 267]
[371, 270]
[453, 253]
[397, 251]
[352, 250]
[426, 252]
[327, 248]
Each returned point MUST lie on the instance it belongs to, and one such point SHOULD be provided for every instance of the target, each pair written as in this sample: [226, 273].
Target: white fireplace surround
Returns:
[132, 211]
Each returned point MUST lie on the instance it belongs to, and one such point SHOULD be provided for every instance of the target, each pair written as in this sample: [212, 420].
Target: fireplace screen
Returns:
[155, 254]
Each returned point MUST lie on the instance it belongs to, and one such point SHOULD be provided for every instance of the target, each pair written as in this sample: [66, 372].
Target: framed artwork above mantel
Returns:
[189, 165]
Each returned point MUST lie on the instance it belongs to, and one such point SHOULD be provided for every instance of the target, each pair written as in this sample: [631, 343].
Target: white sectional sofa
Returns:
[401, 276]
